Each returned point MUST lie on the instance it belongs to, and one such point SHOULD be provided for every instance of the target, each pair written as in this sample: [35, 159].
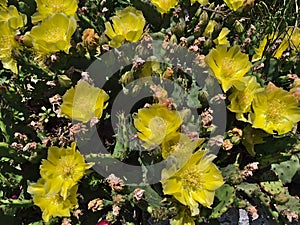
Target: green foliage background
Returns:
[29, 124]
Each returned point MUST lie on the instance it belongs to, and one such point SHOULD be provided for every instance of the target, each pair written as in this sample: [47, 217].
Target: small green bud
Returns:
[149, 209]
[203, 19]
[126, 78]
[239, 26]
[64, 80]
[173, 39]
[208, 43]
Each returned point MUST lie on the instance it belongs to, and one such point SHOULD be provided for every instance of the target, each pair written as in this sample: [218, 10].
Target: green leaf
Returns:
[152, 197]
[286, 170]
[225, 195]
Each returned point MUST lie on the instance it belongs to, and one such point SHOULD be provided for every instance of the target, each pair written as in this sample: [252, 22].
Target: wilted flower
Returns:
[52, 204]
[127, 24]
[138, 193]
[227, 145]
[90, 38]
[11, 15]
[155, 124]
[228, 65]
[207, 118]
[234, 4]
[242, 96]
[164, 6]
[46, 8]
[63, 168]
[195, 182]
[222, 39]
[115, 183]
[95, 204]
[116, 210]
[275, 110]
[53, 34]
[7, 44]
[83, 102]
[66, 221]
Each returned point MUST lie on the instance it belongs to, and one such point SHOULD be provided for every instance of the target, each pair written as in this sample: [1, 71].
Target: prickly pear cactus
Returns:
[125, 140]
[225, 195]
[232, 174]
[287, 169]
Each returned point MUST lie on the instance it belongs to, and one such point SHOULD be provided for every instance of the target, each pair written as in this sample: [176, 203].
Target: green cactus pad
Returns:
[225, 194]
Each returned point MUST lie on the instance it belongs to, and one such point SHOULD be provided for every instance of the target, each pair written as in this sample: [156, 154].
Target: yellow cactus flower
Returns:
[52, 204]
[228, 65]
[222, 39]
[243, 95]
[195, 182]
[290, 39]
[84, 102]
[260, 50]
[11, 15]
[275, 110]
[179, 144]
[209, 29]
[62, 169]
[7, 44]
[202, 2]
[164, 6]
[3, 4]
[46, 8]
[270, 38]
[128, 24]
[155, 124]
[183, 217]
[234, 4]
[53, 34]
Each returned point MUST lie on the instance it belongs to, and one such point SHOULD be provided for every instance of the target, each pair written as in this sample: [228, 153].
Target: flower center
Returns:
[54, 34]
[191, 178]
[82, 104]
[227, 66]
[56, 199]
[275, 110]
[67, 168]
[158, 125]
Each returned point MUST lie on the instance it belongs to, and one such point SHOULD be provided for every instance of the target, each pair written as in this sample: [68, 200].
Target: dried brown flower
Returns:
[207, 118]
[138, 193]
[115, 183]
[90, 38]
[95, 205]
[227, 145]
[66, 221]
